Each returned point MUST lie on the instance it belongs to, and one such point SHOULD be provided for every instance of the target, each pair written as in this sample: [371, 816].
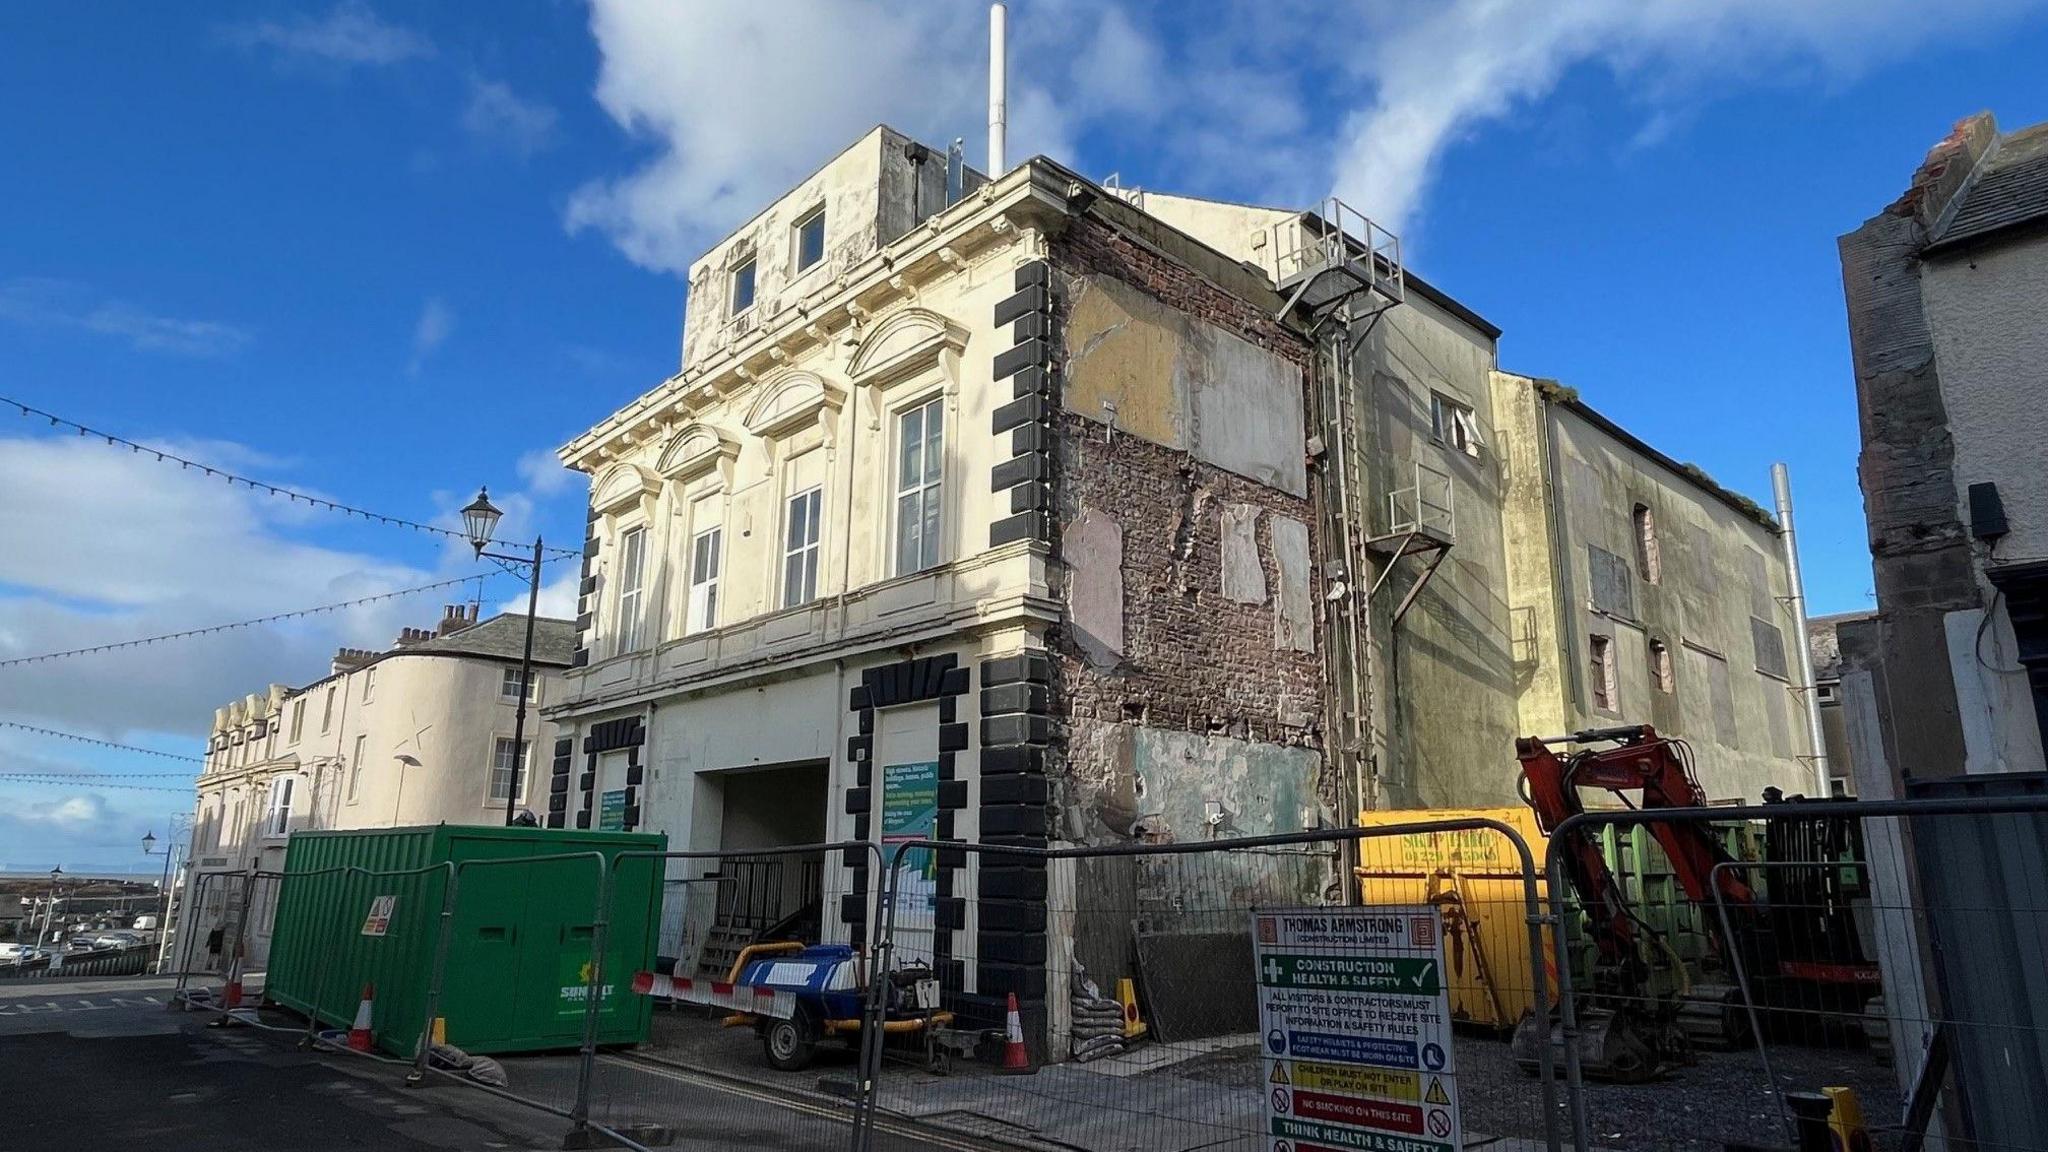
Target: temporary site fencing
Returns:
[1271, 993]
[1877, 965]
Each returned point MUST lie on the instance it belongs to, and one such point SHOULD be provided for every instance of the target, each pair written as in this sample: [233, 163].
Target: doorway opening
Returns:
[771, 895]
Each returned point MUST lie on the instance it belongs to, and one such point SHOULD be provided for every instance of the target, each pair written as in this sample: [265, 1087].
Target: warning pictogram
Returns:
[1279, 1073]
[1280, 1101]
[1436, 1093]
[1439, 1122]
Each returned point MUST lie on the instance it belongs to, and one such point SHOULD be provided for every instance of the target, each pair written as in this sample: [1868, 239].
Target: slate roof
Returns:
[2010, 188]
[503, 637]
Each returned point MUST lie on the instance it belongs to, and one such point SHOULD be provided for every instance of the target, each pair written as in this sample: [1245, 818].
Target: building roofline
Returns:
[1567, 398]
[493, 658]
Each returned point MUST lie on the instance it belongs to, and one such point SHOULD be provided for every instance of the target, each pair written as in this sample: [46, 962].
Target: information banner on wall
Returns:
[1356, 1017]
[611, 810]
[910, 811]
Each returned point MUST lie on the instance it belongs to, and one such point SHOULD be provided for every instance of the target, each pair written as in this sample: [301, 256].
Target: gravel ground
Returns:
[1722, 1099]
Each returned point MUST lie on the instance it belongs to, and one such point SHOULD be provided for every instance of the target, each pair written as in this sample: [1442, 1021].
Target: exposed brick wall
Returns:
[1192, 660]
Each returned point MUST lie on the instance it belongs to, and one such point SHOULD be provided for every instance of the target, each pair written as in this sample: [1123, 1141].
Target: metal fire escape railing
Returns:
[1422, 520]
[1335, 256]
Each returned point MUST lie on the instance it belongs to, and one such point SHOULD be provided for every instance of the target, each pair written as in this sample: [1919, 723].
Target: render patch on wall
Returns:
[1094, 548]
[1293, 611]
[1152, 371]
[1244, 577]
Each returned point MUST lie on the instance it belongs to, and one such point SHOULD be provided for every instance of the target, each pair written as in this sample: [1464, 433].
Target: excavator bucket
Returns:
[1611, 1046]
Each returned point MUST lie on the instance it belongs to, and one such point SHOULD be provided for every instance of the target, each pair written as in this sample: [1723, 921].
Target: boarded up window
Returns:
[1775, 701]
[1705, 699]
[1613, 584]
[1600, 673]
[1770, 647]
[1660, 667]
[1759, 583]
[1649, 558]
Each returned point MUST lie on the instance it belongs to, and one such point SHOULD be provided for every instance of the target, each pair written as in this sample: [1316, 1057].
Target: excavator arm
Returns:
[1631, 1041]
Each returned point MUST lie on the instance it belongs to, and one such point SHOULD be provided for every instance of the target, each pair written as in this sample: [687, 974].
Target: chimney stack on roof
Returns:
[350, 659]
[407, 637]
[455, 617]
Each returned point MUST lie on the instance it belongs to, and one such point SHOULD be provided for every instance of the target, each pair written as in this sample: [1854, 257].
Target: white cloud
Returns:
[500, 117]
[742, 98]
[112, 546]
[1279, 102]
[49, 303]
[544, 474]
[1429, 75]
[349, 35]
[429, 332]
[72, 812]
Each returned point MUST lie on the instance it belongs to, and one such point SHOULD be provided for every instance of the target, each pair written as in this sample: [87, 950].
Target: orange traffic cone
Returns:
[359, 1032]
[1015, 1058]
[231, 991]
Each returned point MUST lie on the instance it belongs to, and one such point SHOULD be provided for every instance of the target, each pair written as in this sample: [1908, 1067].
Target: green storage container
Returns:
[520, 940]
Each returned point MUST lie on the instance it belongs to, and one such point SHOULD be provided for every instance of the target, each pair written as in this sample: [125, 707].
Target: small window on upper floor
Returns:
[810, 238]
[1660, 667]
[743, 287]
[1453, 424]
[508, 687]
[1649, 559]
[1600, 673]
[369, 683]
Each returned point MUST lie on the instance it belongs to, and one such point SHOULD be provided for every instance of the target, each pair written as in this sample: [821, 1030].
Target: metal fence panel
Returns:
[1219, 995]
[723, 1060]
[1836, 982]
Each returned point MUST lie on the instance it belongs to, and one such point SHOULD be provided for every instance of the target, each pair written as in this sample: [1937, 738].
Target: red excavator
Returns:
[1642, 1012]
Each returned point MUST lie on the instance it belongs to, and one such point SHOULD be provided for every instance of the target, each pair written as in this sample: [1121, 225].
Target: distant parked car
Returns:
[144, 923]
[118, 938]
[15, 952]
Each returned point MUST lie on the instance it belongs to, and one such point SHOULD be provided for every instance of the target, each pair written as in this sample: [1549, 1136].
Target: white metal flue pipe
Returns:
[998, 87]
[1781, 486]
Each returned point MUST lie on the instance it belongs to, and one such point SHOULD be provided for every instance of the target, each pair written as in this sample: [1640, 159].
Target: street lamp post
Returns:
[50, 910]
[479, 520]
[163, 909]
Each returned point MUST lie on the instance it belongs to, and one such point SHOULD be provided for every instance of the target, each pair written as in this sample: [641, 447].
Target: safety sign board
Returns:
[1356, 1019]
[378, 922]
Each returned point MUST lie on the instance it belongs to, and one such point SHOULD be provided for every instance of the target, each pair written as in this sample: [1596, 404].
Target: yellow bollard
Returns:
[440, 1030]
[1127, 995]
[1845, 1121]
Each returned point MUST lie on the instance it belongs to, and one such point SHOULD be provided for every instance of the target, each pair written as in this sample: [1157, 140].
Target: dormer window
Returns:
[743, 287]
[810, 238]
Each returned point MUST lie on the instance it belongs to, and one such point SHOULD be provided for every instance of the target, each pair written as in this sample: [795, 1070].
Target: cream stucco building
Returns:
[419, 733]
[1031, 512]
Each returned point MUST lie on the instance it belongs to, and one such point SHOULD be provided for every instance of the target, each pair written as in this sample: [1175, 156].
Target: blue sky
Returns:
[388, 252]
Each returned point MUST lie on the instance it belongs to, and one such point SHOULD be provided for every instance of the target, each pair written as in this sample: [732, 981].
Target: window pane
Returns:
[911, 449]
[931, 526]
[743, 287]
[793, 580]
[909, 533]
[798, 509]
[934, 440]
[810, 242]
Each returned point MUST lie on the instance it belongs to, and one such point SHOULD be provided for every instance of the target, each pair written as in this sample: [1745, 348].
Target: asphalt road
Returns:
[115, 1064]
[111, 1066]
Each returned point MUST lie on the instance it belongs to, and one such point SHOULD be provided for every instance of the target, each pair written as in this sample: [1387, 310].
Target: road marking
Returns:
[882, 1124]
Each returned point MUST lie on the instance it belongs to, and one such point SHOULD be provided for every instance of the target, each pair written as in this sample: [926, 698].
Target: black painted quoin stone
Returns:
[1029, 363]
[1010, 943]
[912, 681]
[628, 733]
